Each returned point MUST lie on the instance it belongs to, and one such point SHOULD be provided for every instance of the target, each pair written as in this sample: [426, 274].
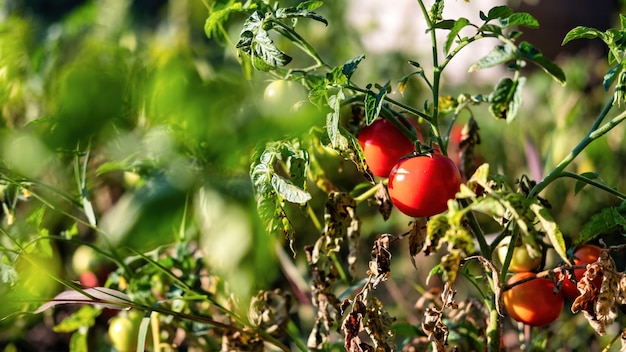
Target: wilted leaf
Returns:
[384, 201]
[354, 236]
[337, 141]
[101, 296]
[450, 264]
[499, 55]
[417, 238]
[380, 263]
[506, 99]
[379, 325]
[437, 228]
[269, 311]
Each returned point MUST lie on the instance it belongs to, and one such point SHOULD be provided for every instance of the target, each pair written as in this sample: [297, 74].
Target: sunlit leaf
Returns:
[499, 55]
[457, 26]
[289, 191]
[519, 19]
[101, 296]
[337, 141]
[582, 32]
[83, 318]
[373, 104]
[499, 12]
[551, 229]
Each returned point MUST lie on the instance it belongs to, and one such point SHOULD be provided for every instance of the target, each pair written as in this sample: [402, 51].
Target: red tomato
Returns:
[585, 254]
[533, 302]
[383, 145]
[421, 186]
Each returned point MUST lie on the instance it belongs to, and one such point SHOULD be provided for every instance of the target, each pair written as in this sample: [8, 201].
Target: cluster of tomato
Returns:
[419, 185]
[537, 302]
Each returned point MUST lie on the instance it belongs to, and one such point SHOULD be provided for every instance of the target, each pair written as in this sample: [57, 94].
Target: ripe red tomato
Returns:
[422, 185]
[585, 254]
[383, 145]
[533, 302]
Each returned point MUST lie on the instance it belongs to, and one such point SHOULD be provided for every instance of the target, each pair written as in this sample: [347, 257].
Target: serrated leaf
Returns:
[582, 32]
[499, 12]
[530, 52]
[551, 229]
[519, 19]
[373, 104]
[289, 191]
[457, 26]
[337, 141]
[580, 184]
[349, 67]
[608, 220]
[506, 99]
[499, 55]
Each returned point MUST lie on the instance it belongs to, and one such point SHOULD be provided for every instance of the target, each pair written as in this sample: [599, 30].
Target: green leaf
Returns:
[528, 51]
[506, 100]
[373, 103]
[551, 229]
[499, 12]
[78, 341]
[310, 5]
[349, 67]
[580, 184]
[520, 19]
[454, 31]
[444, 24]
[255, 42]
[608, 220]
[499, 55]
[337, 141]
[611, 76]
[289, 191]
[582, 32]
[85, 317]
[436, 11]
[214, 22]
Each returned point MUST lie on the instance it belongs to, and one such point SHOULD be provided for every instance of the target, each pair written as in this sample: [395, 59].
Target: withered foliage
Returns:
[238, 340]
[439, 310]
[417, 238]
[269, 311]
[339, 222]
[384, 202]
[600, 304]
[367, 316]
[380, 264]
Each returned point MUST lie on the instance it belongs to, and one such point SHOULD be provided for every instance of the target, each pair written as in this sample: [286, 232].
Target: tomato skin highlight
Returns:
[533, 302]
[584, 254]
[383, 145]
[422, 185]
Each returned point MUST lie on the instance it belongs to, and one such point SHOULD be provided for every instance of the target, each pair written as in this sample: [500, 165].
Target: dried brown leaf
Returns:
[380, 263]
[384, 202]
[354, 235]
[417, 238]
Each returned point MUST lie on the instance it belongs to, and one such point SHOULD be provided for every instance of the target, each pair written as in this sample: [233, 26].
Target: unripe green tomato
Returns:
[124, 330]
[521, 260]
[282, 98]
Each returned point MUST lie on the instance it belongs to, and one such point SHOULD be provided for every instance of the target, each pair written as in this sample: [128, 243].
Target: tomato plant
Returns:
[533, 302]
[383, 145]
[521, 259]
[212, 154]
[421, 186]
[584, 254]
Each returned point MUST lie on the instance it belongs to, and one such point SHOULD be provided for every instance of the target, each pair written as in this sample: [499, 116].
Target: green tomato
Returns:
[521, 261]
[124, 330]
[282, 98]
